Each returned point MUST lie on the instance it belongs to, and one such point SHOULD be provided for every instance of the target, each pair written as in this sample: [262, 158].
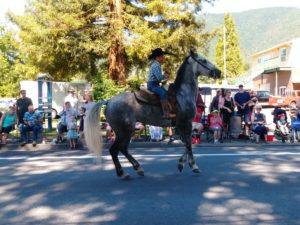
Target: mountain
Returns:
[260, 29]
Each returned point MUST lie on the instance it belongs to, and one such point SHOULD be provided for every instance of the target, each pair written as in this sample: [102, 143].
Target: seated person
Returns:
[156, 78]
[197, 125]
[65, 116]
[7, 123]
[215, 125]
[32, 121]
[139, 127]
[278, 111]
[258, 124]
[283, 125]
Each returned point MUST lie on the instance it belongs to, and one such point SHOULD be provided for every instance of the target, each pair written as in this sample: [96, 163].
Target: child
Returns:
[283, 125]
[72, 132]
[215, 125]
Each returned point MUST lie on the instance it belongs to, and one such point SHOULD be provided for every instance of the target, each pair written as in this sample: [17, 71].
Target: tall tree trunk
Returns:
[116, 56]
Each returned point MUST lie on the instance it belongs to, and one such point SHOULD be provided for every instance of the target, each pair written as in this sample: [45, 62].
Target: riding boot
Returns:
[165, 106]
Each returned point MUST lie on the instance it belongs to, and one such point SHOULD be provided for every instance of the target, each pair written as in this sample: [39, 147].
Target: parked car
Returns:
[263, 97]
[288, 99]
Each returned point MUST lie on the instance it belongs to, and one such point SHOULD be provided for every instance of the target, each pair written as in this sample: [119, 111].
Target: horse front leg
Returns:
[186, 135]
[191, 159]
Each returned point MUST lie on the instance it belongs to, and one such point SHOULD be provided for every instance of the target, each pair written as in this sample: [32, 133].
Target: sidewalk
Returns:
[142, 144]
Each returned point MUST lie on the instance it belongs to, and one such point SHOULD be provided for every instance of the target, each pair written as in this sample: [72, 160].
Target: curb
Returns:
[64, 146]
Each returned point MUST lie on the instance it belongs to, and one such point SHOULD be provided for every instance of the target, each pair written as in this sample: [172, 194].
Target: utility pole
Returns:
[224, 55]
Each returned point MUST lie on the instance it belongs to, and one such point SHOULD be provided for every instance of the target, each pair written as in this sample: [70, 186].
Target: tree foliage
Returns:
[66, 37]
[234, 62]
[11, 64]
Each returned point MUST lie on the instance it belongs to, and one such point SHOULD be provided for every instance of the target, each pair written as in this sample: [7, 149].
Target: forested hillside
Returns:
[261, 28]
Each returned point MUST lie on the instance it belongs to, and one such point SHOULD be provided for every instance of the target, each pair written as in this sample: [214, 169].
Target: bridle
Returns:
[200, 62]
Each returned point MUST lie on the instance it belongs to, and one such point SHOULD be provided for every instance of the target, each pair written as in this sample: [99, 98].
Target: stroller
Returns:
[282, 130]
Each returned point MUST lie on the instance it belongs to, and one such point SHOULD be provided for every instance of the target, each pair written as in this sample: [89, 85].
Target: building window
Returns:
[283, 54]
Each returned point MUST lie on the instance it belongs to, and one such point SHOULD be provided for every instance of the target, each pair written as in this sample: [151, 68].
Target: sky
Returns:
[220, 6]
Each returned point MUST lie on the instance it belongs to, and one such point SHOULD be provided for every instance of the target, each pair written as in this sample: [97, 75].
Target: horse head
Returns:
[203, 66]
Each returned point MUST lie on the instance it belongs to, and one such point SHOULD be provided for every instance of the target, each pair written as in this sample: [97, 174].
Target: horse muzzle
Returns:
[215, 73]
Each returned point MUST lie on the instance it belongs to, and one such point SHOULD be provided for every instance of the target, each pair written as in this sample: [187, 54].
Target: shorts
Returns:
[197, 126]
[215, 128]
[6, 130]
[61, 128]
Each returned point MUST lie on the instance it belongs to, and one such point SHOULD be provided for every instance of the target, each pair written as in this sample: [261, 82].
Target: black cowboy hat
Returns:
[158, 52]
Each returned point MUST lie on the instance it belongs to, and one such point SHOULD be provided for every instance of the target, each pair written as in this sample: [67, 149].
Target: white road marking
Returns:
[89, 156]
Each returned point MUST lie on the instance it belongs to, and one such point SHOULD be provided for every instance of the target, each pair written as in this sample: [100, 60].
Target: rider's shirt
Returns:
[155, 72]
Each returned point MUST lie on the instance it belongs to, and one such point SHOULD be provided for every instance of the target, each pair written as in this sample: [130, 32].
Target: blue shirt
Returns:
[31, 117]
[155, 73]
[242, 98]
[66, 114]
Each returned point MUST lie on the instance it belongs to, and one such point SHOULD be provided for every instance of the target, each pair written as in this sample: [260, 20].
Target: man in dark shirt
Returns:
[242, 99]
[22, 106]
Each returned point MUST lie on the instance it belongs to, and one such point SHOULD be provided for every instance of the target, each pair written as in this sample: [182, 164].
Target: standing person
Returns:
[32, 122]
[65, 115]
[227, 109]
[7, 123]
[72, 135]
[200, 106]
[88, 103]
[217, 101]
[156, 78]
[81, 125]
[242, 100]
[252, 103]
[71, 98]
[22, 106]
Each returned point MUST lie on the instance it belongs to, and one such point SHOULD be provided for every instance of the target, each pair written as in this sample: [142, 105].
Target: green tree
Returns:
[11, 64]
[63, 37]
[70, 37]
[234, 62]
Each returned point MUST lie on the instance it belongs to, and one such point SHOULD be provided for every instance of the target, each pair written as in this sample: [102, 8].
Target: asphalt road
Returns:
[238, 185]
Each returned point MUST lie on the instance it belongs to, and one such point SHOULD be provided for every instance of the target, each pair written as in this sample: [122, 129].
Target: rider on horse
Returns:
[156, 78]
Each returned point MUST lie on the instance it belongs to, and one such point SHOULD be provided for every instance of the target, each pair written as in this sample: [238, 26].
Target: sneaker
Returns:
[34, 143]
[23, 143]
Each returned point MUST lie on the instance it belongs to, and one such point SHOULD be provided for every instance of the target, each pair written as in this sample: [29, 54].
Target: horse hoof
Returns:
[196, 170]
[125, 176]
[140, 171]
[180, 167]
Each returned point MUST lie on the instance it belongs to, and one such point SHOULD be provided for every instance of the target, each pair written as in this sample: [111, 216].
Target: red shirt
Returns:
[199, 108]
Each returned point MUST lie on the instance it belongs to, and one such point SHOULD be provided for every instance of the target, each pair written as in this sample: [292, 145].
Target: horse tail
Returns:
[92, 129]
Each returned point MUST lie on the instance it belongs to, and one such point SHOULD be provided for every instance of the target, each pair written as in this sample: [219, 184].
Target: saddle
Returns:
[145, 96]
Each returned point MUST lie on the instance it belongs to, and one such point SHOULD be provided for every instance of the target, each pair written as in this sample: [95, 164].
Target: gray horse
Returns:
[124, 110]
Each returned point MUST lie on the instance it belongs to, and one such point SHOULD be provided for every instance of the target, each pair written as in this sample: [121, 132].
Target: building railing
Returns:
[268, 65]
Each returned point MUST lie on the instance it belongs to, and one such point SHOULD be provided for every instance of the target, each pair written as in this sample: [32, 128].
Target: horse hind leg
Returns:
[114, 151]
[134, 162]
[182, 162]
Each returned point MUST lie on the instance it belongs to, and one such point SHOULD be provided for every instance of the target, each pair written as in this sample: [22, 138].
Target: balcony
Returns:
[270, 65]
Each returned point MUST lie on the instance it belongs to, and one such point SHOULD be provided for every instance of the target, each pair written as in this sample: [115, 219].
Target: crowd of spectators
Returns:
[222, 109]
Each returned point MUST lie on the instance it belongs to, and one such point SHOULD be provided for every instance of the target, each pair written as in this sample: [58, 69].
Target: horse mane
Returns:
[180, 74]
